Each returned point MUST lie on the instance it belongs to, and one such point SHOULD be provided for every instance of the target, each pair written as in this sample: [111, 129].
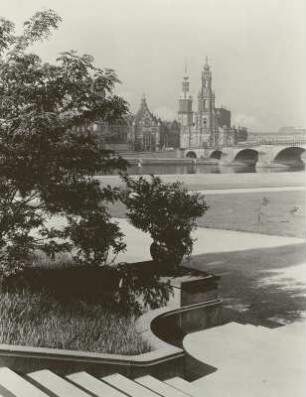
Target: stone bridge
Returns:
[261, 155]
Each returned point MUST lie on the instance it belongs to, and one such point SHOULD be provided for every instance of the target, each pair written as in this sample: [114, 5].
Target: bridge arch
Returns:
[291, 156]
[216, 154]
[247, 156]
[191, 154]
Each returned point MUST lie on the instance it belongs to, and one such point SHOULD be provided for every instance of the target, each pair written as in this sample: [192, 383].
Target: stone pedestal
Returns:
[193, 288]
[193, 306]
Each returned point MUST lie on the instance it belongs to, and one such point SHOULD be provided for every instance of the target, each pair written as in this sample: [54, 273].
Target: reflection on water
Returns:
[162, 169]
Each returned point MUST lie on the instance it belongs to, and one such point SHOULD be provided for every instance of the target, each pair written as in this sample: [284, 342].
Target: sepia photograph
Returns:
[152, 198]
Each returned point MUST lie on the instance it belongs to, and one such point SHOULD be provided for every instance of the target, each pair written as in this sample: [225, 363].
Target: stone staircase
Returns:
[251, 360]
[46, 383]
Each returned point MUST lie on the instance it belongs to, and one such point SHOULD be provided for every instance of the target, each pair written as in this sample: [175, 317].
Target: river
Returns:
[179, 169]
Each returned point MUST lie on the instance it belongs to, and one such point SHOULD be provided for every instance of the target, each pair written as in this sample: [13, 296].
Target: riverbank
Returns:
[225, 181]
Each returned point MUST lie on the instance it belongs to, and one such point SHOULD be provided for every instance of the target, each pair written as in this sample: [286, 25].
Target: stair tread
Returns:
[94, 385]
[216, 350]
[57, 385]
[160, 387]
[17, 385]
[186, 387]
[128, 386]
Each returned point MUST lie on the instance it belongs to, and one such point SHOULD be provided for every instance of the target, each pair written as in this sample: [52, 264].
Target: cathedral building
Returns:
[208, 126]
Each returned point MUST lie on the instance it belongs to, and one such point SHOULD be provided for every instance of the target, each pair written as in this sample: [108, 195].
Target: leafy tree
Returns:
[48, 153]
[167, 211]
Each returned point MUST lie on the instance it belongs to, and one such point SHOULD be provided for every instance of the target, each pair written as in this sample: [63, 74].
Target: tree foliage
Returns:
[48, 153]
[167, 211]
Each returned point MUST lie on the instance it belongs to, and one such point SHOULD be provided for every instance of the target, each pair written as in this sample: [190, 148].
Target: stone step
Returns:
[160, 387]
[94, 385]
[17, 386]
[259, 330]
[272, 336]
[128, 386]
[218, 344]
[57, 385]
[186, 387]
[224, 343]
[295, 330]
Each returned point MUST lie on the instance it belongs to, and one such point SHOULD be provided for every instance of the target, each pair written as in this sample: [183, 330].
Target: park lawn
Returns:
[259, 286]
[276, 213]
[283, 214]
[38, 319]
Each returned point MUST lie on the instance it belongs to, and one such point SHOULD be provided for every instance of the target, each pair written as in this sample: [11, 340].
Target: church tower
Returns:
[206, 104]
[185, 114]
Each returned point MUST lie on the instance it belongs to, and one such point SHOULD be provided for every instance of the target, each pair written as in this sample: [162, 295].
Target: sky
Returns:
[256, 50]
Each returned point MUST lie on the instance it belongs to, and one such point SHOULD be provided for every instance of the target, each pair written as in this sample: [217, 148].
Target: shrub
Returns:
[165, 210]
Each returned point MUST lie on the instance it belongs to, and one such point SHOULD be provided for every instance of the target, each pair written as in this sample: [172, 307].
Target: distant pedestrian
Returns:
[139, 165]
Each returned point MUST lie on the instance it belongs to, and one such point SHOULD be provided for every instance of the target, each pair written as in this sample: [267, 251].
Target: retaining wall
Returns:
[194, 306]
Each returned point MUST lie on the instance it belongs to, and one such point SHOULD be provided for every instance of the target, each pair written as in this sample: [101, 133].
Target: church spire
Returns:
[185, 84]
[143, 99]
[185, 101]
[206, 66]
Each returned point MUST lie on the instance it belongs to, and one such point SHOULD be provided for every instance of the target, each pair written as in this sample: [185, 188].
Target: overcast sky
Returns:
[256, 50]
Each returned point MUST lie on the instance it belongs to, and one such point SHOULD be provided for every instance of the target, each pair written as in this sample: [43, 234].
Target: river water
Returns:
[163, 169]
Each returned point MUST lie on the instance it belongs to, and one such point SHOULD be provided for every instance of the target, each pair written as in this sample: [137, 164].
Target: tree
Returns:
[167, 211]
[48, 153]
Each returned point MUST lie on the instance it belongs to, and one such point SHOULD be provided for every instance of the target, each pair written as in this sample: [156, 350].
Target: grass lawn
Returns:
[239, 211]
[284, 213]
[38, 319]
[249, 288]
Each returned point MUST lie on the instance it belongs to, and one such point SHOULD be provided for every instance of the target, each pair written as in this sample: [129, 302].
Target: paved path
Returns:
[254, 190]
[208, 241]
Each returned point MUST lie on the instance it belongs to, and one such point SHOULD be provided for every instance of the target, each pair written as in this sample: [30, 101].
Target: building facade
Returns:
[150, 133]
[209, 126]
[142, 131]
[146, 129]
